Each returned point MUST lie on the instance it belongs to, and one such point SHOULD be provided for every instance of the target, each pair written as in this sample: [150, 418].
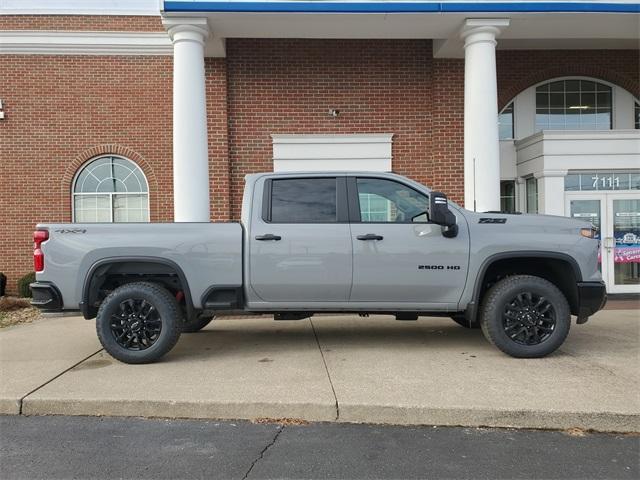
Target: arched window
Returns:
[573, 104]
[110, 189]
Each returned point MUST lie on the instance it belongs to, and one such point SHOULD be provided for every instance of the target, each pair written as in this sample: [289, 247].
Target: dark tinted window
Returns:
[303, 200]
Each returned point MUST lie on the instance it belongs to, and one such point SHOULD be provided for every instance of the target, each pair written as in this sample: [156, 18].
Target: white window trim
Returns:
[332, 152]
[45, 42]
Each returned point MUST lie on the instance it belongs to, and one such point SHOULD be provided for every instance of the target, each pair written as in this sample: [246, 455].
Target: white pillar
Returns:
[551, 192]
[481, 145]
[190, 153]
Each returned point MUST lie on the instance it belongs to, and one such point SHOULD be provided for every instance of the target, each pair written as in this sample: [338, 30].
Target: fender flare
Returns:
[472, 307]
[89, 312]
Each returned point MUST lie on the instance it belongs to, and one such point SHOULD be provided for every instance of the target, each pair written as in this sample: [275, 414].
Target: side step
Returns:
[292, 315]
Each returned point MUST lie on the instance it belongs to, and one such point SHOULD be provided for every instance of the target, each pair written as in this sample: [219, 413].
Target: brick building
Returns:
[157, 113]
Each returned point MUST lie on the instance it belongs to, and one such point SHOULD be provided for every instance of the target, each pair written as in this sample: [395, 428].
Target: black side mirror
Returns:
[440, 214]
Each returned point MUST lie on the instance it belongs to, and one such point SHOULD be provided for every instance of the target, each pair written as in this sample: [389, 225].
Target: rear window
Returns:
[304, 200]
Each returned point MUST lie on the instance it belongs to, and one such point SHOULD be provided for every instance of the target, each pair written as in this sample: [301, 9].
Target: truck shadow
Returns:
[230, 338]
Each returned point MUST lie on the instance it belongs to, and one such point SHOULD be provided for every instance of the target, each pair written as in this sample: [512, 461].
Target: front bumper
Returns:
[592, 296]
[46, 297]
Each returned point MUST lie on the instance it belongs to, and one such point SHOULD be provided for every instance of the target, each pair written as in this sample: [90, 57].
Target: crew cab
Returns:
[342, 242]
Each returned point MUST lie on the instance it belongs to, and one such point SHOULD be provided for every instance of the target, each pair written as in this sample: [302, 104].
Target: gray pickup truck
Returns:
[308, 243]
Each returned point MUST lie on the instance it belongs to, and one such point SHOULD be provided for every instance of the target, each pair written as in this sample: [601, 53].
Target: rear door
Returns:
[398, 256]
[300, 243]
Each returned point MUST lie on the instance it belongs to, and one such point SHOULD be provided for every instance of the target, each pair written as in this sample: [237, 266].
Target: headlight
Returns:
[588, 232]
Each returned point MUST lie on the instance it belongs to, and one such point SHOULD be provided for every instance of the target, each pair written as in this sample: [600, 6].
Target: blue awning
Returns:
[398, 6]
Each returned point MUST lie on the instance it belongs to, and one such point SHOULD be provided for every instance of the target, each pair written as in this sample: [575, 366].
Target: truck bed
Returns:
[206, 253]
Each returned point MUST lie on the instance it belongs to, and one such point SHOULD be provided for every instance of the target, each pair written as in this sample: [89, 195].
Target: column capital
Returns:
[477, 30]
[195, 29]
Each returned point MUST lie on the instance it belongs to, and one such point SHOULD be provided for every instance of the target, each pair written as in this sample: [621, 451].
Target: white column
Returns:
[190, 153]
[481, 145]
[551, 192]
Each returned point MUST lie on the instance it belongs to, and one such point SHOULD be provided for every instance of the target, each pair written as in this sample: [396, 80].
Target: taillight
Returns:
[39, 236]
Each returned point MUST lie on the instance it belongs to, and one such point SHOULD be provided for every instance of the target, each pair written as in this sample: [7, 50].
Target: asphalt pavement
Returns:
[92, 447]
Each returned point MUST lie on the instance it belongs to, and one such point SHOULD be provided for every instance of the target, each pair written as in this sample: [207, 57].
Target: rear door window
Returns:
[304, 200]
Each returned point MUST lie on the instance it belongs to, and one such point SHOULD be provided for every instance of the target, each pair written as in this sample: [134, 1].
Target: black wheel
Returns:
[461, 320]
[139, 322]
[525, 316]
[195, 324]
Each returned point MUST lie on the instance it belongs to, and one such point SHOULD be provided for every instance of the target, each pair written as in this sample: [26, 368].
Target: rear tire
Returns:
[139, 322]
[196, 324]
[525, 316]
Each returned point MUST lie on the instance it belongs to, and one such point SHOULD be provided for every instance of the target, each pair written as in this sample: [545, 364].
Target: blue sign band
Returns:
[396, 7]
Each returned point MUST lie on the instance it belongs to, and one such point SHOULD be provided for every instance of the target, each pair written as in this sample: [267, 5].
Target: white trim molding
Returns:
[343, 152]
[43, 42]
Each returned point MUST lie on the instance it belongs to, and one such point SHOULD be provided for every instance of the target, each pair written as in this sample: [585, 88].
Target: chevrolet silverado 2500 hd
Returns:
[325, 242]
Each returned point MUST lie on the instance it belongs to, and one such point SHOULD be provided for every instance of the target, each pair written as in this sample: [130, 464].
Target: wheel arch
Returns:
[551, 266]
[130, 265]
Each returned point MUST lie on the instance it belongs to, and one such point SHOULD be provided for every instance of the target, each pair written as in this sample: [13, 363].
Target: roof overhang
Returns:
[534, 24]
[400, 6]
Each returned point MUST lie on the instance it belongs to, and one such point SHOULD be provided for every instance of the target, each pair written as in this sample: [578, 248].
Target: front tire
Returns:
[525, 316]
[139, 322]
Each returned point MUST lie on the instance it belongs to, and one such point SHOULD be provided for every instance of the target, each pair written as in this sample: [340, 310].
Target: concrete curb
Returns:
[462, 417]
[372, 414]
[180, 409]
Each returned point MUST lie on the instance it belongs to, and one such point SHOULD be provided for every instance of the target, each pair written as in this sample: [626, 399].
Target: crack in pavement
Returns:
[264, 450]
[326, 368]
[21, 401]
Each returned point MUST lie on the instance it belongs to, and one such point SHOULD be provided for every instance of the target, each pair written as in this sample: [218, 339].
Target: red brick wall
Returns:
[142, 23]
[288, 86]
[519, 69]
[61, 111]
[217, 126]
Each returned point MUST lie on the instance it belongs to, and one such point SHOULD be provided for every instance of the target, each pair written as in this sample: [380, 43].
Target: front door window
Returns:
[386, 201]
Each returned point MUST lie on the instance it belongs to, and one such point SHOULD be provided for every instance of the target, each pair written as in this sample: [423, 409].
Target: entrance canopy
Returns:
[534, 24]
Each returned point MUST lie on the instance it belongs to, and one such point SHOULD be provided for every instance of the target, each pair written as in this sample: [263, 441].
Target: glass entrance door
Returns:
[623, 242]
[616, 217]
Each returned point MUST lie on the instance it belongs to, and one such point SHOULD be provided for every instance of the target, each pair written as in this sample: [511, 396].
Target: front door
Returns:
[616, 216]
[300, 245]
[398, 256]
[622, 243]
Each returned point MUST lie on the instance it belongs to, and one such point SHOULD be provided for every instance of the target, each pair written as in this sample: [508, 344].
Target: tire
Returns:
[139, 322]
[196, 324]
[461, 320]
[525, 316]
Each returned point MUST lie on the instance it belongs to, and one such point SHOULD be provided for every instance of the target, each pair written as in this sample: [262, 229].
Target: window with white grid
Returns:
[110, 189]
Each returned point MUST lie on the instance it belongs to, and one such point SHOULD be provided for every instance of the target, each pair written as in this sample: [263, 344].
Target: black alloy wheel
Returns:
[139, 322]
[525, 316]
[529, 319]
[136, 325]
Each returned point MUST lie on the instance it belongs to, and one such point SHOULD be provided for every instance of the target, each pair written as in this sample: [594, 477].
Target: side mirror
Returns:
[440, 214]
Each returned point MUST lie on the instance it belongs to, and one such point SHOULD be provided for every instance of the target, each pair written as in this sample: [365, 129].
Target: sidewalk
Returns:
[330, 368]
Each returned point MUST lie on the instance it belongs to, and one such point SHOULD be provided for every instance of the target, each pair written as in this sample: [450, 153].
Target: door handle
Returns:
[370, 236]
[268, 236]
[609, 243]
